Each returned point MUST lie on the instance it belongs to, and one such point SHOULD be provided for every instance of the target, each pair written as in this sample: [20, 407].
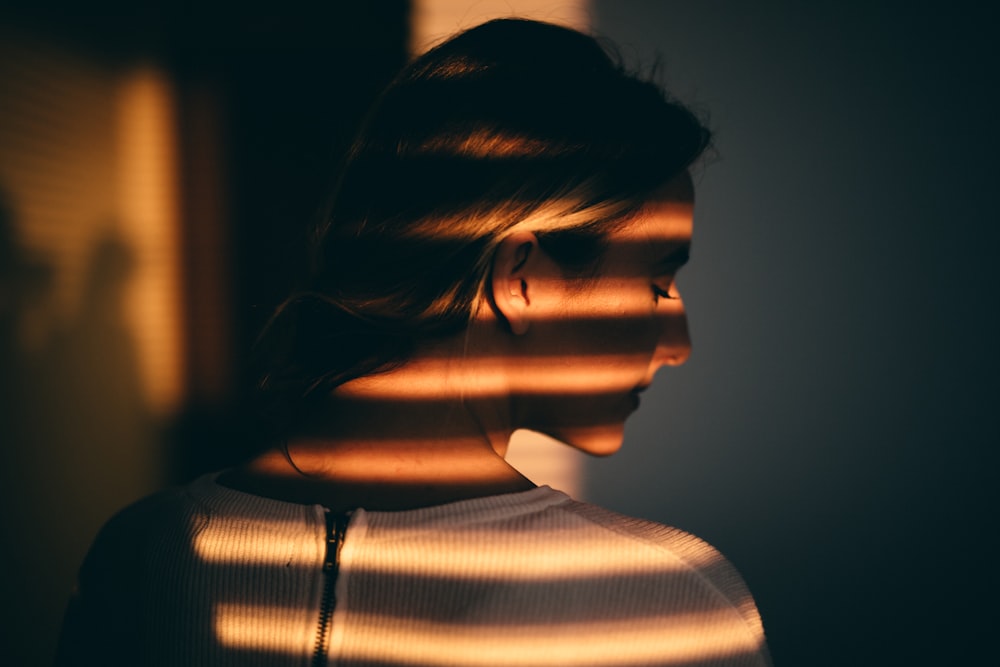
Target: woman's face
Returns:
[603, 337]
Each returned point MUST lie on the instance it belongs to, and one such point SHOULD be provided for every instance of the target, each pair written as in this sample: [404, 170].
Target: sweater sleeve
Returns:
[708, 575]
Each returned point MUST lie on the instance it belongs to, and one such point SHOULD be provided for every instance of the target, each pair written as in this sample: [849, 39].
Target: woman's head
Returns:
[511, 127]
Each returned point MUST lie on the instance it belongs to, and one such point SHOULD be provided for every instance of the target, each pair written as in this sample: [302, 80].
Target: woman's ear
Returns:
[513, 278]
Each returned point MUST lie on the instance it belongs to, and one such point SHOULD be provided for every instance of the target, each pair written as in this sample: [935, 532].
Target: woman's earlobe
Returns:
[519, 323]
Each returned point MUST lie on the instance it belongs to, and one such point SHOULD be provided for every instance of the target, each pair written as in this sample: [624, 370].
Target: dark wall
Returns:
[835, 430]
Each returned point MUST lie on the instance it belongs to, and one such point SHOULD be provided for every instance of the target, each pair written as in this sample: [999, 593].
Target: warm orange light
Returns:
[663, 640]
[449, 558]
[429, 379]
[660, 639]
[433, 20]
[673, 221]
[263, 628]
[148, 215]
[216, 546]
[548, 559]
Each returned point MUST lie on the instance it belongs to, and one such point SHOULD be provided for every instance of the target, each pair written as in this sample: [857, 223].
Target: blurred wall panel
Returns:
[206, 255]
[435, 20]
[76, 433]
[57, 161]
[157, 176]
[149, 217]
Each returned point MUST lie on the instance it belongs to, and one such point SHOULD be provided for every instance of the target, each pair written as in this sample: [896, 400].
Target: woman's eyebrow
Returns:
[674, 259]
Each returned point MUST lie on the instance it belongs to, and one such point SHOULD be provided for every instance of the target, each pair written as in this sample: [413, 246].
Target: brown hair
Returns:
[510, 125]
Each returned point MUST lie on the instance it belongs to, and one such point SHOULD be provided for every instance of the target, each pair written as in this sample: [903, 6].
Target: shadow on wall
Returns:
[74, 427]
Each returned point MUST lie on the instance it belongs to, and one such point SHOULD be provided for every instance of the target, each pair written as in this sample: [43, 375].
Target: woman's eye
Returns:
[660, 293]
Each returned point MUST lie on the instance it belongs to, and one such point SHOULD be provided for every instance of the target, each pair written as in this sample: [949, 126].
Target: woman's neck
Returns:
[382, 447]
[417, 484]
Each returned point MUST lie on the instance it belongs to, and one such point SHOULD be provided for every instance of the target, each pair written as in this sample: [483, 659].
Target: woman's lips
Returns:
[634, 394]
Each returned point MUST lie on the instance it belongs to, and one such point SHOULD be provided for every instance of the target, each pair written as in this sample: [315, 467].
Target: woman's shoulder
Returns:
[152, 513]
[190, 514]
[693, 567]
[104, 613]
[543, 534]
[158, 562]
[680, 545]
[130, 529]
[643, 592]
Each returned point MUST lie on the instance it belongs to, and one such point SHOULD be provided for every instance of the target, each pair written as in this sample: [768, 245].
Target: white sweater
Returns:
[206, 575]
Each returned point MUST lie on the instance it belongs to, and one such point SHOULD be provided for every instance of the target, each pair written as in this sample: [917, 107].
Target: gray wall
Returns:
[835, 430]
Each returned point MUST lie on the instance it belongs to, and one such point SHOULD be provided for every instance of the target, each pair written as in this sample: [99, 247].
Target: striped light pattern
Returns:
[660, 640]
[539, 458]
[531, 578]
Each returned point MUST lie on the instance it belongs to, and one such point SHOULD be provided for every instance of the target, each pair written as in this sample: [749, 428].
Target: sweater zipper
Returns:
[336, 528]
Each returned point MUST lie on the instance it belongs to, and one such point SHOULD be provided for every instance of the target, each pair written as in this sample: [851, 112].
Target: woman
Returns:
[500, 254]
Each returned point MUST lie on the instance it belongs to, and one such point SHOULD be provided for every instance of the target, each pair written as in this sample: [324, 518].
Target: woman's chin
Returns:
[602, 440]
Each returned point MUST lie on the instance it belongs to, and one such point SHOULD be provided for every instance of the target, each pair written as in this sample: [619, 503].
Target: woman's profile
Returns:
[500, 253]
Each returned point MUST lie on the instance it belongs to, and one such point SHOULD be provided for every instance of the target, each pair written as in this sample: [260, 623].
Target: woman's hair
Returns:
[511, 125]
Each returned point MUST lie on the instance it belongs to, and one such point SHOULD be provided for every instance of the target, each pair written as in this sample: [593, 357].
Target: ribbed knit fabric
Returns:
[211, 576]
